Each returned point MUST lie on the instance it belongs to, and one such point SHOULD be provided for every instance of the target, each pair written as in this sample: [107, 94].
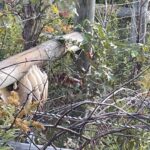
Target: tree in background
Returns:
[85, 17]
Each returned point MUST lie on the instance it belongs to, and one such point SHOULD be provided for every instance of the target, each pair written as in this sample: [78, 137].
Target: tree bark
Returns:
[32, 24]
[139, 21]
[143, 21]
[134, 13]
[85, 10]
[15, 67]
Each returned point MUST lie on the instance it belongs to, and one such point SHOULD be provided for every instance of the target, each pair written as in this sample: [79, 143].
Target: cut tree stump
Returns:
[14, 68]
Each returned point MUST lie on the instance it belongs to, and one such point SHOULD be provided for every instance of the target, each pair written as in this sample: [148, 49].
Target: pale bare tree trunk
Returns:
[14, 68]
[143, 20]
[134, 31]
[85, 10]
[139, 21]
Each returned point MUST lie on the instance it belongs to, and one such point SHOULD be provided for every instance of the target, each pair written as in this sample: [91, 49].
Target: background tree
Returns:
[85, 17]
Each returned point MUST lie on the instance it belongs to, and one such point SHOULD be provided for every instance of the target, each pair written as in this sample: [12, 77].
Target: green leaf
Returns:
[134, 53]
[34, 1]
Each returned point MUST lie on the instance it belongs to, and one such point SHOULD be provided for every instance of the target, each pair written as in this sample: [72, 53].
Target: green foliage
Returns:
[145, 81]
[10, 34]
[112, 64]
[6, 118]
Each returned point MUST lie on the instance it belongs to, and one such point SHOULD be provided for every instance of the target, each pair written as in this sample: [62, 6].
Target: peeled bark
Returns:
[14, 68]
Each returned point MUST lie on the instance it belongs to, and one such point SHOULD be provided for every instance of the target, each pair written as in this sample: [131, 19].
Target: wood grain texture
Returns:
[14, 68]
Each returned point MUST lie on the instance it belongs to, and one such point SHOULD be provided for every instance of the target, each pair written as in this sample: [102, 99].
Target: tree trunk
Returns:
[85, 10]
[143, 21]
[15, 67]
[139, 21]
[134, 13]
[32, 24]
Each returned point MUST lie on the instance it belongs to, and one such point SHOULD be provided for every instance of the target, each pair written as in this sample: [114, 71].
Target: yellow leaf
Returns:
[13, 99]
[22, 124]
[1, 14]
[145, 81]
[54, 9]
[67, 28]
[38, 125]
[1, 30]
[48, 29]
